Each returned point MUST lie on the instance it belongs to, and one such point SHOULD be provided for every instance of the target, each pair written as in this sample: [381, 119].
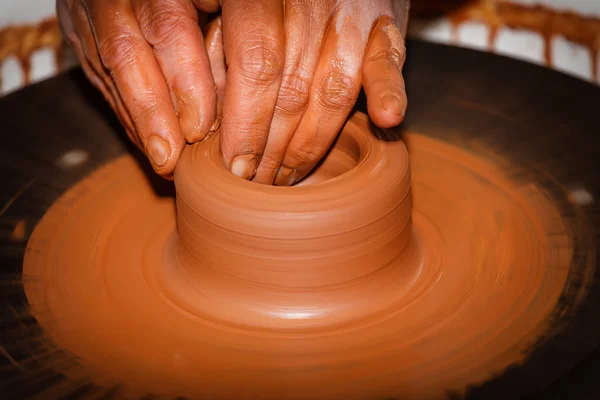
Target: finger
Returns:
[65, 23]
[382, 74]
[93, 77]
[171, 28]
[214, 47]
[207, 6]
[74, 37]
[333, 94]
[131, 63]
[305, 29]
[93, 68]
[253, 38]
[99, 84]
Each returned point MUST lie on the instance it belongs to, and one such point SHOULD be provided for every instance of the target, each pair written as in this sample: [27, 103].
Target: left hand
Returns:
[295, 69]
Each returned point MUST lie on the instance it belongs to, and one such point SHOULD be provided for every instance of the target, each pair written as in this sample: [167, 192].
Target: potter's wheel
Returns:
[537, 124]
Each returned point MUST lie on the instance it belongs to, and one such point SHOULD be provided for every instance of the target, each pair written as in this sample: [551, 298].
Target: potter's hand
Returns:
[295, 69]
[149, 59]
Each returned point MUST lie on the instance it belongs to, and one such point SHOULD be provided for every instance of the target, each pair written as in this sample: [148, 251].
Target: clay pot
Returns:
[284, 257]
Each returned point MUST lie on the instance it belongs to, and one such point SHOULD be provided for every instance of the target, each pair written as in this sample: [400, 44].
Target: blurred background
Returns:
[559, 34]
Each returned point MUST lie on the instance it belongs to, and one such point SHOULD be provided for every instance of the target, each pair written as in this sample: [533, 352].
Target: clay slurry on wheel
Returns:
[385, 276]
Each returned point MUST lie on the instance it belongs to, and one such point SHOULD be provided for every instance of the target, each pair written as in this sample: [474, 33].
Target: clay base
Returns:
[490, 260]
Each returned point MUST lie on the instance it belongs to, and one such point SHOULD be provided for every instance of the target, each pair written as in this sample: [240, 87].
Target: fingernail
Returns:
[158, 150]
[244, 166]
[286, 176]
[392, 104]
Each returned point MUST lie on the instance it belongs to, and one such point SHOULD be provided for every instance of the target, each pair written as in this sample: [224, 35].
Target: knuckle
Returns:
[260, 61]
[392, 55]
[293, 94]
[117, 51]
[337, 90]
[305, 154]
[145, 107]
[269, 163]
[249, 135]
[163, 23]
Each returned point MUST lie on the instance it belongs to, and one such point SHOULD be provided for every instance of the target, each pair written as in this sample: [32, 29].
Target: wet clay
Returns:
[375, 278]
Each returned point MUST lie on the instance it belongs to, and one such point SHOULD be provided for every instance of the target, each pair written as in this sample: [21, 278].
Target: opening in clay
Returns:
[343, 156]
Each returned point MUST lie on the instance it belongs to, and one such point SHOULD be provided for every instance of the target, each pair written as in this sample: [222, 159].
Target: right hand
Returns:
[150, 61]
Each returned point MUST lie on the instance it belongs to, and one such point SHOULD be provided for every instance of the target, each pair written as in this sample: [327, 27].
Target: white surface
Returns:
[474, 35]
[12, 74]
[522, 44]
[572, 58]
[14, 12]
[439, 31]
[43, 65]
[583, 7]
[581, 196]
[73, 158]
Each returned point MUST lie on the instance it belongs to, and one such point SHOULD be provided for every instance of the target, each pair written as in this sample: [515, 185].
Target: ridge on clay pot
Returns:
[301, 256]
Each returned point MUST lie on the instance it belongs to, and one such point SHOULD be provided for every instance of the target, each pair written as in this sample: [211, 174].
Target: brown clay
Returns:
[368, 280]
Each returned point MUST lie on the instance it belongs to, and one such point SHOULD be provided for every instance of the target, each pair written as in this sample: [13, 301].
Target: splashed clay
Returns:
[362, 282]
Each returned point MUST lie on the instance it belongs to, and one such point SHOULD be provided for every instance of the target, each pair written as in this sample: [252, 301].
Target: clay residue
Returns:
[548, 22]
[329, 290]
[21, 41]
[20, 231]
[395, 38]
